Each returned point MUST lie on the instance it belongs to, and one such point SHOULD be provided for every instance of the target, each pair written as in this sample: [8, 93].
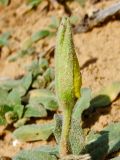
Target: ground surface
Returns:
[100, 47]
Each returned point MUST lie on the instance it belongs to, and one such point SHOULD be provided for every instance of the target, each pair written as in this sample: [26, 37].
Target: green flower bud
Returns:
[67, 70]
[67, 79]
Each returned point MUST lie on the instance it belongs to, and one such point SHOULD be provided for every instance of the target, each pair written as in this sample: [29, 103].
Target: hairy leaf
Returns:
[40, 35]
[76, 135]
[105, 142]
[34, 132]
[35, 110]
[5, 36]
[58, 127]
[41, 153]
[44, 97]
[106, 95]
[33, 3]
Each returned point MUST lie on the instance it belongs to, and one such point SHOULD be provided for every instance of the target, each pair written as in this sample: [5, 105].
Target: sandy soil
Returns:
[98, 52]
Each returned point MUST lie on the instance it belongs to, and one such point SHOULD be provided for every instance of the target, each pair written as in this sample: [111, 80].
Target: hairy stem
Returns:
[64, 146]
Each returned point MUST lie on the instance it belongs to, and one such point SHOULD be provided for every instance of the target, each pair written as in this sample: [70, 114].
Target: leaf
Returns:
[38, 67]
[82, 104]
[33, 3]
[4, 109]
[21, 85]
[106, 95]
[5, 36]
[54, 23]
[21, 53]
[116, 158]
[3, 97]
[41, 153]
[9, 84]
[11, 117]
[34, 132]
[105, 142]
[81, 2]
[76, 157]
[14, 97]
[18, 108]
[58, 127]
[40, 35]
[76, 135]
[24, 84]
[44, 97]
[49, 75]
[36, 110]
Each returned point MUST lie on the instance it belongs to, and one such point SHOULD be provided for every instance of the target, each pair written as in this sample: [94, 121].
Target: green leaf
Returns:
[54, 23]
[5, 36]
[44, 97]
[49, 75]
[34, 132]
[18, 108]
[24, 84]
[38, 67]
[11, 117]
[41, 153]
[81, 2]
[9, 84]
[33, 3]
[105, 142]
[21, 85]
[40, 35]
[116, 158]
[58, 127]
[3, 97]
[4, 109]
[82, 104]
[14, 97]
[35, 110]
[76, 135]
[106, 95]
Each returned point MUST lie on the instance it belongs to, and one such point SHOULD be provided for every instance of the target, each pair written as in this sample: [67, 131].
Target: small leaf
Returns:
[18, 108]
[116, 158]
[34, 132]
[58, 127]
[33, 3]
[35, 110]
[76, 135]
[24, 84]
[82, 104]
[5, 36]
[106, 95]
[14, 97]
[4, 109]
[3, 97]
[9, 84]
[41, 153]
[49, 75]
[44, 97]
[105, 142]
[11, 117]
[54, 23]
[20, 122]
[40, 35]
[21, 85]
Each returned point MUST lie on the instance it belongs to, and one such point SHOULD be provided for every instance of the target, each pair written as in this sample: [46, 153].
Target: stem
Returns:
[64, 148]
